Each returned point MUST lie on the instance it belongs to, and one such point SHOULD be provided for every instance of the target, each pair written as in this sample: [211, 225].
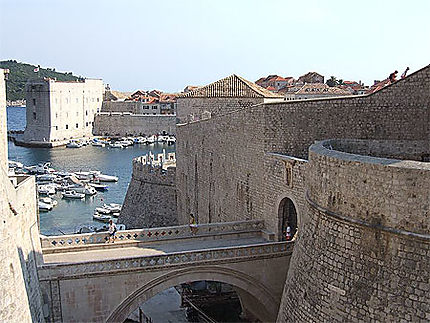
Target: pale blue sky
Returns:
[167, 45]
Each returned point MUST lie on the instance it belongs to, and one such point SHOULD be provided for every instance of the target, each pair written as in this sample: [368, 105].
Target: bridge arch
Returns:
[287, 213]
[243, 282]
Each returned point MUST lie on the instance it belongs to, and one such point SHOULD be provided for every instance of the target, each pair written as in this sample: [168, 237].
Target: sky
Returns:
[169, 44]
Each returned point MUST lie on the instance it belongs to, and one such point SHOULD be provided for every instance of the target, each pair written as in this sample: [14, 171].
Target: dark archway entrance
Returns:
[287, 219]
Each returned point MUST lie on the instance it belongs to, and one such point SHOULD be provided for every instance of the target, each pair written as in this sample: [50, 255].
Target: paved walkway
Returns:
[150, 249]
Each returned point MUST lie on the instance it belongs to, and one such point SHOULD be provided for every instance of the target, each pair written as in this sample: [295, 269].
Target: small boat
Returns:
[101, 217]
[113, 207]
[116, 145]
[106, 178]
[48, 201]
[99, 187]
[151, 139]
[46, 189]
[140, 140]
[102, 210]
[44, 207]
[87, 190]
[74, 144]
[73, 195]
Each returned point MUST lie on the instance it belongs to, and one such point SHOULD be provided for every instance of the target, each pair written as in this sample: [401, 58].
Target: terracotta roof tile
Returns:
[231, 86]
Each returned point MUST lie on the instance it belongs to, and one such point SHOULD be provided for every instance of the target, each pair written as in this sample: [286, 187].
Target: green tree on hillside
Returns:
[19, 73]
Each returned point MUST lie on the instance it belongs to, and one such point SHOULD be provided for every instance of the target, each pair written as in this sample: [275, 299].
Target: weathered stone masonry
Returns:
[151, 197]
[363, 227]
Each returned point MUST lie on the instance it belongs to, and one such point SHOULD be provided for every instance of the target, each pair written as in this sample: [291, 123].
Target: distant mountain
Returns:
[21, 72]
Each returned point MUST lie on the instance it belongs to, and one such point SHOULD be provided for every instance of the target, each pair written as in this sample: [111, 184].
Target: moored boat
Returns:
[99, 187]
[73, 195]
[101, 217]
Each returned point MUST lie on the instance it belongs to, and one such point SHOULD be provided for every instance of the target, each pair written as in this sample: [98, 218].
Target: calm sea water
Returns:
[69, 215]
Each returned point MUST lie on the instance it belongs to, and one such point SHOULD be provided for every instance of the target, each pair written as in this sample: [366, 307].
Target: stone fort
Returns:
[349, 175]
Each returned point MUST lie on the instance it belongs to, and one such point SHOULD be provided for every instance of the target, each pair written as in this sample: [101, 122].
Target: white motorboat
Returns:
[73, 195]
[106, 178]
[47, 203]
[44, 207]
[102, 210]
[113, 207]
[116, 145]
[74, 144]
[87, 190]
[46, 189]
[101, 217]
[99, 187]
[42, 168]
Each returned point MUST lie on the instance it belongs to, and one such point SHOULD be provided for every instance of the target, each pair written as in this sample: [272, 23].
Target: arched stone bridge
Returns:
[83, 278]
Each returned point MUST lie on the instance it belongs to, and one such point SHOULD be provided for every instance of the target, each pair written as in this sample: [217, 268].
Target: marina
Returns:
[71, 215]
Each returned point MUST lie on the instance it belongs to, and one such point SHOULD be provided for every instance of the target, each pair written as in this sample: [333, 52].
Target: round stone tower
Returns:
[363, 252]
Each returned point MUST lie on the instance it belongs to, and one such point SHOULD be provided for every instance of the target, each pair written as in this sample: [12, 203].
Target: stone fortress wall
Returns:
[363, 254]
[242, 164]
[151, 195]
[20, 250]
[58, 111]
[197, 108]
[243, 142]
[125, 123]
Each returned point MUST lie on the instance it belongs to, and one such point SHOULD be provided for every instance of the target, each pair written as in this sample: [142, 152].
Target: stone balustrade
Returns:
[50, 243]
[203, 256]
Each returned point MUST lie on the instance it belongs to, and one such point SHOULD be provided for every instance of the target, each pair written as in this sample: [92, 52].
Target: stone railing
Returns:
[150, 234]
[200, 257]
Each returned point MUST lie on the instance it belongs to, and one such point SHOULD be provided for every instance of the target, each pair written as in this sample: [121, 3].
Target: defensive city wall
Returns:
[125, 123]
[151, 196]
[362, 222]
[20, 250]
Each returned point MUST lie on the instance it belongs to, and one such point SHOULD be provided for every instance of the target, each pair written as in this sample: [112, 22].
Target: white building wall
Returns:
[61, 110]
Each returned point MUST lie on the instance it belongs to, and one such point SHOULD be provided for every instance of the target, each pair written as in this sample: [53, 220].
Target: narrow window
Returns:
[34, 101]
[67, 126]
[34, 115]
[77, 125]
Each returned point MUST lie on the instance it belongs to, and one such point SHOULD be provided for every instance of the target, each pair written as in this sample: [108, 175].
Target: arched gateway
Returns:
[287, 215]
[244, 283]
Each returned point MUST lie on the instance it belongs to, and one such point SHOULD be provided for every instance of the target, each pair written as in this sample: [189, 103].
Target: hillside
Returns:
[21, 72]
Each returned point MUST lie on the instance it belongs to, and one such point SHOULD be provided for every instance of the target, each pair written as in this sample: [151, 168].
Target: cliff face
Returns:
[151, 197]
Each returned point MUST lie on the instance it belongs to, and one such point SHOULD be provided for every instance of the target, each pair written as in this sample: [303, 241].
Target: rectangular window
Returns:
[56, 127]
[86, 124]
[67, 126]
[34, 115]
[98, 99]
[86, 112]
[34, 101]
[77, 125]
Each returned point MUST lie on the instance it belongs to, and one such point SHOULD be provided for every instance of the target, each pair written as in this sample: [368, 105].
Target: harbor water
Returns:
[70, 215]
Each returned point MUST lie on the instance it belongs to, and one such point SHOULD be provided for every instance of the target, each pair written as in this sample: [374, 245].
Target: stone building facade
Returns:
[58, 111]
[151, 195]
[125, 123]
[3, 121]
[254, 163]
